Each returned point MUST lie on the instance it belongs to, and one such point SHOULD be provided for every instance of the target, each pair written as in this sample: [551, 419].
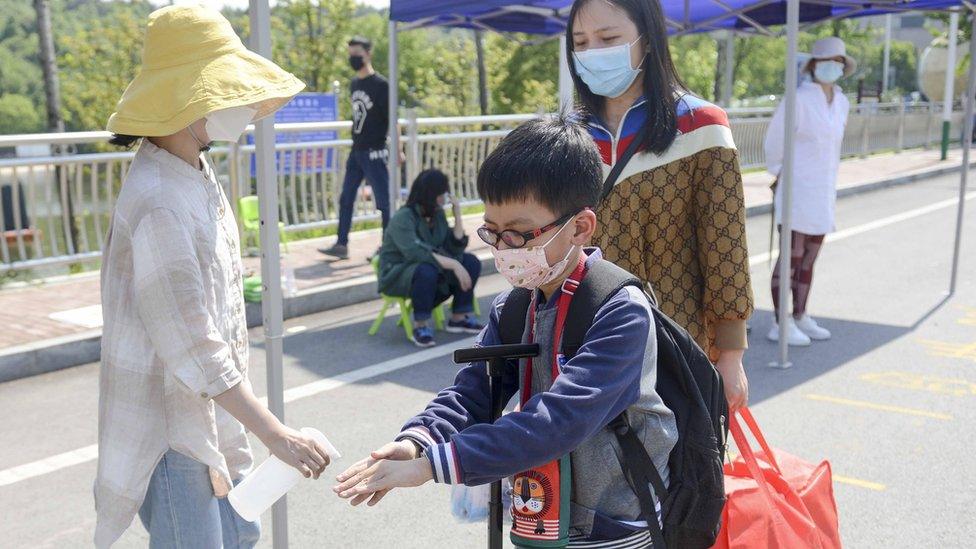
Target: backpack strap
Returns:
[618, 168]
[511, 321]
[640, 472]
[602, 281]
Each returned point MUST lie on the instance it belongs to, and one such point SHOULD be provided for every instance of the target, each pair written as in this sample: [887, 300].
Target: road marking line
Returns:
[48, 465]
[876, 224]
[970, 316]
[860, 483]
[881, 407]
[946, 349]
[376, 370]
[74, 457]
[89, 453]
[933, 384]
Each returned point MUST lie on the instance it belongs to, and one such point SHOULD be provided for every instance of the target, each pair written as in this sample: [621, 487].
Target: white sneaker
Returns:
[795, 337]
[809, 326]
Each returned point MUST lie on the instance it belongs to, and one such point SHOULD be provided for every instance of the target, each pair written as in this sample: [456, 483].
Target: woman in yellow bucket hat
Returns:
[175, 335]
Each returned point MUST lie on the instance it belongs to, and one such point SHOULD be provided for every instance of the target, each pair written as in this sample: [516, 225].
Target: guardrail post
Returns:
[930, 110]
[413, 146]
[901, 124]
[865, 126]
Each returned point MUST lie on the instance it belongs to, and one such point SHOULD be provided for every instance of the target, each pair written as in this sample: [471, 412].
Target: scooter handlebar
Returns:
[477, 354]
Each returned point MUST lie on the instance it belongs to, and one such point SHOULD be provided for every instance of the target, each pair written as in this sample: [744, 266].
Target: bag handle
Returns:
[750, 460]
[618, 168]
[750, 422]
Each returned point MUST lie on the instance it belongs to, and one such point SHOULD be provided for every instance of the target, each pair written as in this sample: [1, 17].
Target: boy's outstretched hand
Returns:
[395, 465]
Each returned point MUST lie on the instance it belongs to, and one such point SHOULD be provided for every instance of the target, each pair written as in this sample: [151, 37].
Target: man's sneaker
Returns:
[814, 331]
[795, 337]
[467, 325]
[337, 251]
[423, 337]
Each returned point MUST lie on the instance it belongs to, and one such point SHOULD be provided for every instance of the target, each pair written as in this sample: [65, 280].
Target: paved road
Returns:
[890, 400]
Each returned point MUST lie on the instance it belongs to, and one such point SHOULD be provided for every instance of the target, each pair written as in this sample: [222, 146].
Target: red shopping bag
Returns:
[775, 499]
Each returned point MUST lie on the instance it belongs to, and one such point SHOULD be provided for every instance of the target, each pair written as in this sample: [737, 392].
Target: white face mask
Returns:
[607, 71]
[528, 267]
[828, 72]
[229, 124]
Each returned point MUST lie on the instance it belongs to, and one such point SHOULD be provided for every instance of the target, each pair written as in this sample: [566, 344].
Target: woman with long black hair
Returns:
[675, 216]
[423, 258]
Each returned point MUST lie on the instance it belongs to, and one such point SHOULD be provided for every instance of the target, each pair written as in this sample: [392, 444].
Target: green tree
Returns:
[19, 115]
[759, 66]
[523, 75]
[904, 67]
[21, 85]
[695, 57]
[309, 38]
[97, 63]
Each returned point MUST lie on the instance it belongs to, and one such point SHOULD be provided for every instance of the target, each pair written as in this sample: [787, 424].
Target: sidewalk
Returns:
[56, 323]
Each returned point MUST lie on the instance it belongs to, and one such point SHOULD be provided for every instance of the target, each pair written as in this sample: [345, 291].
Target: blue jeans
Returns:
[370, 165]
[425, 293]
[180, 510]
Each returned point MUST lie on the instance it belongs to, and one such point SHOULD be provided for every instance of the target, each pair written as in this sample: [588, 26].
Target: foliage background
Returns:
[99, 47]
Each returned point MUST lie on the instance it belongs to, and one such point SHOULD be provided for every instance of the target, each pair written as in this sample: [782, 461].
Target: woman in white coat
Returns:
[821, 116]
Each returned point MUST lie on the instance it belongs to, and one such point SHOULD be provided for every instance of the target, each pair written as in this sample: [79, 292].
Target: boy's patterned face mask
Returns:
[528, 267]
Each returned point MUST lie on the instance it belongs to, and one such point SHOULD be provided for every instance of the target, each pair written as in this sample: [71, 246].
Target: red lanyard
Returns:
[562, 309]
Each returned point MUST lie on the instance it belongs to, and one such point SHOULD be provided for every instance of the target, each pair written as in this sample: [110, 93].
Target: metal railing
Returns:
[58, 211]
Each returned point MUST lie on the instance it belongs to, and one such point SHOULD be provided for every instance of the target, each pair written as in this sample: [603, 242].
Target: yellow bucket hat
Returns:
[193, 64]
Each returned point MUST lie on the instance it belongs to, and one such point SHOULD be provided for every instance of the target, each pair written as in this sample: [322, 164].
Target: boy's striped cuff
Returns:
[420, 435]
[444, 463]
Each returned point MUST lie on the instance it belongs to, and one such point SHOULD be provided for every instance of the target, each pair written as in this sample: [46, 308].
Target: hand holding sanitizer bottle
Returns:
[271, 480]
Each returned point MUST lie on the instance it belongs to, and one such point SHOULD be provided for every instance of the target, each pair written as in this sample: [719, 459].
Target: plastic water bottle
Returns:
[288, 280]
[271, 480]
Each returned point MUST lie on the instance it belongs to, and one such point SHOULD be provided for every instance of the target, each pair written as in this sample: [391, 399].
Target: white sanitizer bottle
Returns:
[271, 480]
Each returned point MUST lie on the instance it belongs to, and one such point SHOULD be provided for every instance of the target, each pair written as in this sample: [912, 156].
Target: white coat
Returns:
[818, 138]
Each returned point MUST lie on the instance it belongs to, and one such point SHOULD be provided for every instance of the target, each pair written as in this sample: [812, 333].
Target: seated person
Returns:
[423, 258]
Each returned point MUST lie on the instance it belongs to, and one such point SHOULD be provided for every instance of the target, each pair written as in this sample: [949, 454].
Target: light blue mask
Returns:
[828, 72]
[607, 71]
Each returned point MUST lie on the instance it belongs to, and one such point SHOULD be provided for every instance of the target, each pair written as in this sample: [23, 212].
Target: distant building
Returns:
[907, 27]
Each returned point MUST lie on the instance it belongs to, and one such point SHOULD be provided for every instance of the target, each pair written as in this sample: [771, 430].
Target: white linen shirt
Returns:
[819, 136]
[175, 335]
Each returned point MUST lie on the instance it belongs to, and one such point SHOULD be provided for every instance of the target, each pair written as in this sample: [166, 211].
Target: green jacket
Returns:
[409, 241]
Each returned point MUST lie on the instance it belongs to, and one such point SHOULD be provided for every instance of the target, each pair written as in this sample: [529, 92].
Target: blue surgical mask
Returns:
[607, 71]
[828, 72]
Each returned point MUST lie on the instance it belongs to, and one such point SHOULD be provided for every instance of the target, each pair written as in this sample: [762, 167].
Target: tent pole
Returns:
[394, 128]
[950, 81]
[264, 139]
[967, 140]
[786, 183]
[565, 79]
[885, 71]
[728, 74]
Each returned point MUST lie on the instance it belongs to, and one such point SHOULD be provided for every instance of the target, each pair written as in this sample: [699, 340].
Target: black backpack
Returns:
[691, 506]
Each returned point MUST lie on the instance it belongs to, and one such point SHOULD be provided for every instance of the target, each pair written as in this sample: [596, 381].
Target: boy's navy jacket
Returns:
[614, 369]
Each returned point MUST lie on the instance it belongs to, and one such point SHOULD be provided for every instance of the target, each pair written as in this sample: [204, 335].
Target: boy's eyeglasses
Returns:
[516, 239]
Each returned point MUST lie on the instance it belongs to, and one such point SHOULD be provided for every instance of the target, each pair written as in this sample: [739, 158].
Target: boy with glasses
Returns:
[539, 186]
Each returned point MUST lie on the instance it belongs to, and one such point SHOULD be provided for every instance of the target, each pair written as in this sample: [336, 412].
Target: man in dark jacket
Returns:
[368, 159]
